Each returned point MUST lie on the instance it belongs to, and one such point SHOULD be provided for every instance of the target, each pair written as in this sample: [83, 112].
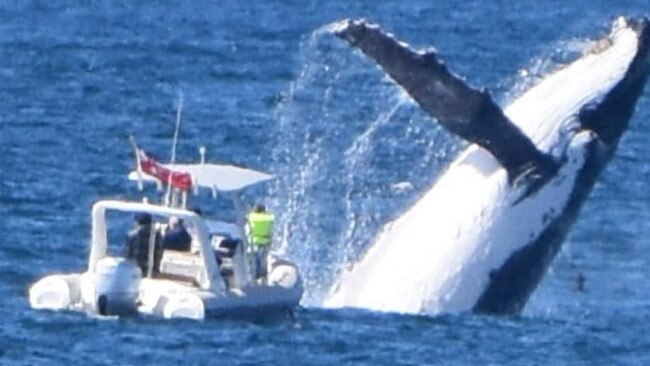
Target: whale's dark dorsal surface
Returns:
[473, 241]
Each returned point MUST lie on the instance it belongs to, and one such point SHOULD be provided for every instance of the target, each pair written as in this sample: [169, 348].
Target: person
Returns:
[138, 241]
[177, 237]
[224, 252]
[260, 229]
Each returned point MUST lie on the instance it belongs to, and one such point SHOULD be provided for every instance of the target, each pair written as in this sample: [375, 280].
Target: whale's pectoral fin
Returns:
[464, 111]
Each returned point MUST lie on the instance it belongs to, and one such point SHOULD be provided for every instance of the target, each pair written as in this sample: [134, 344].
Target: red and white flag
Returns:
[150, 166]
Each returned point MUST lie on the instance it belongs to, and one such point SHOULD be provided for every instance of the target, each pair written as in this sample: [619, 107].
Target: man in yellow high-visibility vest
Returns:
[260, 231]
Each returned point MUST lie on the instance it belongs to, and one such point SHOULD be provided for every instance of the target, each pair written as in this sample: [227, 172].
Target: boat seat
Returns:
[182, 266]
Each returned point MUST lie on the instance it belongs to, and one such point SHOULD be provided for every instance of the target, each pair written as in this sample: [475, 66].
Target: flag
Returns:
[150, 166]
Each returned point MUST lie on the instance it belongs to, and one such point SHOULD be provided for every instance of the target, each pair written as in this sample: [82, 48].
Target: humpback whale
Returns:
[482, 237]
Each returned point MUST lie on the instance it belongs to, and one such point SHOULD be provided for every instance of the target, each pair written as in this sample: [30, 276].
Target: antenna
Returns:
[169, 201]
[178, 126]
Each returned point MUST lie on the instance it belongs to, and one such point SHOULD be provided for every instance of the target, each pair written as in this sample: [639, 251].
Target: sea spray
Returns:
[344, 137]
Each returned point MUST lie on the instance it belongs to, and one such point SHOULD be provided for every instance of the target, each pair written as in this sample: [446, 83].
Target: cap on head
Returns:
[143, 218]
[259, 207]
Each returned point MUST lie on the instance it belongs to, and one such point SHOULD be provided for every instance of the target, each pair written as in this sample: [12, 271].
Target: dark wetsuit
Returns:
[138, 248]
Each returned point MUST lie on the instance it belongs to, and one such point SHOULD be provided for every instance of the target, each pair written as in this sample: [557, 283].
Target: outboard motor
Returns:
[117, 284]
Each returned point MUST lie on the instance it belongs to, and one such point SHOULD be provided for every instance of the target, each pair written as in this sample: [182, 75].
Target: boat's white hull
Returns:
[172, 300]
[167, 298]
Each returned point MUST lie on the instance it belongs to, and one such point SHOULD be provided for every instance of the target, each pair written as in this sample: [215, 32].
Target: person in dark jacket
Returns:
[138, 241]
[177, 237]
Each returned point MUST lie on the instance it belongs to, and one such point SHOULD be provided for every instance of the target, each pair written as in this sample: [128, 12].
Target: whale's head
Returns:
[610, 117]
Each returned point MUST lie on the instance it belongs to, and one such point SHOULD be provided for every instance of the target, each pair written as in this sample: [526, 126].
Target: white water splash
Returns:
[333, 123]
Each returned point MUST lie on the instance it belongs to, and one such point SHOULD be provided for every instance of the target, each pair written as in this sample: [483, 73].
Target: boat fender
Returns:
[151, 302]
[185, 306]
[51, 292]
[74, 282]
[283, 274]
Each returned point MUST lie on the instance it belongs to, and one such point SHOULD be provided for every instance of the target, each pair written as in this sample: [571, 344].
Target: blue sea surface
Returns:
[266, 85]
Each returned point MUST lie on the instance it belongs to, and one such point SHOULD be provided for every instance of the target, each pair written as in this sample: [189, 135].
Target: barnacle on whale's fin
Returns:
[464, 111]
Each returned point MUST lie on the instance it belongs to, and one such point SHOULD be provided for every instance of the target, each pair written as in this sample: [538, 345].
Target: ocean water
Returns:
[266, 85]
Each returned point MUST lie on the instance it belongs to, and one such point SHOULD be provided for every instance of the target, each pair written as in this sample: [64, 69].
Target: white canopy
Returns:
[214, 176]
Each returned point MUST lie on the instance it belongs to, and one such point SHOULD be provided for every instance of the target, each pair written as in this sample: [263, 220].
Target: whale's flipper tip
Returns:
[347, 28]
[338, 28]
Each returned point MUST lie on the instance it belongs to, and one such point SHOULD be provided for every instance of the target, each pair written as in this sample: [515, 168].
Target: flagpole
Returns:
[168, 196]
[178, 127]
[138, 168]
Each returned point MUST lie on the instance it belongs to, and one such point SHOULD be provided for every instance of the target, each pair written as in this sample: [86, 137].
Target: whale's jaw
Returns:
[485, 233]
